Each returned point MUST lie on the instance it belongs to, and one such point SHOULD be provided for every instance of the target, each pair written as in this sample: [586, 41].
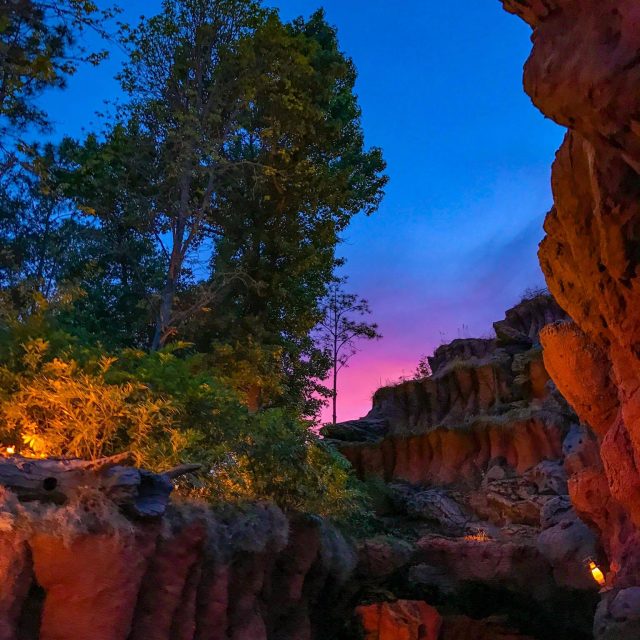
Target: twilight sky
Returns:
[454, 242]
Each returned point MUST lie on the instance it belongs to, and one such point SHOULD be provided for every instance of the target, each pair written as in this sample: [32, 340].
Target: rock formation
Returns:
[476, 459]
[89, 569]
[487, 400]
[584, 72]
[475, 534]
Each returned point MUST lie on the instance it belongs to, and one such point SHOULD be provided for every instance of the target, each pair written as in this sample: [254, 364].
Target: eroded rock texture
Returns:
[86, 571]
[477, 461]
[410, 620]
[487, 400]
[584, 72]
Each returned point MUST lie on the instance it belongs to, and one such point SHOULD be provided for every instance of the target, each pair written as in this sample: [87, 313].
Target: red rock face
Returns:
[450, 455]
[416, 620]
[16, 576]
[166, 605]
[89, 594]
[517, 565]
[71, 574]
[584, 72]
[400, 620]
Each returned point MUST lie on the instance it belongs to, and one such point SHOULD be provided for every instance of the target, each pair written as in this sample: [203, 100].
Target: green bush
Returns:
[62, 398]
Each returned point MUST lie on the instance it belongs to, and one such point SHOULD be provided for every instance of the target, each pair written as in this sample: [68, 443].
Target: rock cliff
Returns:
[584, 72]
[476, 460]
[91, 569]
[486, 400]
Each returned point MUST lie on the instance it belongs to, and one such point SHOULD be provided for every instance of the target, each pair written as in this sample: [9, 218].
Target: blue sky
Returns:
[454, 242]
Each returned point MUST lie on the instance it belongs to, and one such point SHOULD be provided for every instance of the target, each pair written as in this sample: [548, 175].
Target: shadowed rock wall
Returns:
[476, 460]
[85, 571]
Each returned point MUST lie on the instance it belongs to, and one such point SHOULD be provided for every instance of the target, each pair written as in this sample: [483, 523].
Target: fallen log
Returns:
[139, 492]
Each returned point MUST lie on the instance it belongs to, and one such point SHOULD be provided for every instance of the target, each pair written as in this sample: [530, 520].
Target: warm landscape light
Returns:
[11, 450]
[597, 574]
[478, 536]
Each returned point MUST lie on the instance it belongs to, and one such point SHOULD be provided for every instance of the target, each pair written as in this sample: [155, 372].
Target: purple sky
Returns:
[454, 242]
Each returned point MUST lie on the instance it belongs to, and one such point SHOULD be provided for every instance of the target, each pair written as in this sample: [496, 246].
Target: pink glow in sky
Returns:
[440, 288]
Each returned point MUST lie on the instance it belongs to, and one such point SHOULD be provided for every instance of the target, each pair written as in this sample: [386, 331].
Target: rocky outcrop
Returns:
[486, 399]
[416, 620]
[477, 461]
[462, 454]
[410, 620]
[471, 379]
[584, 72]
[85, 569]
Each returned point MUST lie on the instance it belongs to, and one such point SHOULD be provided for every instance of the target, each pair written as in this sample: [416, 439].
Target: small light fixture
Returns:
[596, 572]
[11, 450]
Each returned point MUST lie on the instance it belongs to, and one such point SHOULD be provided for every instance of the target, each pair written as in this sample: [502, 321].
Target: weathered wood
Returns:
[181, 470]
[141, 493]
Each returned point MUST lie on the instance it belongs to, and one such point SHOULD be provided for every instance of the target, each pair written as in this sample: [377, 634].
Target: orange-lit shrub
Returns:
[167, 408]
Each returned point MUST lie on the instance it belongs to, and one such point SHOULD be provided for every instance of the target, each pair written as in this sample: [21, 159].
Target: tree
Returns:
[423, 370]
[38, 233]
[39, 49]
[258, 147]
[210, 211]
[74, 224]
[341, 328]
[120, 268]
[298, 172]
[186, 89]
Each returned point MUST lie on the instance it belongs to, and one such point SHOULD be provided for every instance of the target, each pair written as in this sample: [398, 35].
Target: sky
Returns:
[454, 242]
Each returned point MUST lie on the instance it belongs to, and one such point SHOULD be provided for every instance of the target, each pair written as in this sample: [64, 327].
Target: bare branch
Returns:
[181, 470]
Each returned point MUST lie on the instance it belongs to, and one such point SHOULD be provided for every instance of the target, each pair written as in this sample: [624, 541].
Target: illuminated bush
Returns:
[166, 408]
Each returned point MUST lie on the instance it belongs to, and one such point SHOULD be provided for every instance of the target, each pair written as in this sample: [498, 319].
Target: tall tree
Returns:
[260, 155]
[77, 225]
[186, 91]
[299, 172]
[341, 328]
[107, 186]
[37, 231]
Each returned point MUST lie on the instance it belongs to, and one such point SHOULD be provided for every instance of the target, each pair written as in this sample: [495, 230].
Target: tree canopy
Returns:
[160, 280]
[41, 45]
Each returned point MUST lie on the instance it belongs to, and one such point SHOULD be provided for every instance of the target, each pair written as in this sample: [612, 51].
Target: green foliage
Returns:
[299, 173]
[62, 398]
[282, 460]
[39, 49]
[160, 282]
[63, 410]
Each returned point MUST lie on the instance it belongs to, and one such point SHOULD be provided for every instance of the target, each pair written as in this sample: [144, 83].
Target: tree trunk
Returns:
[178, 254]
[335, 392]
[164, 315]
[335, 357]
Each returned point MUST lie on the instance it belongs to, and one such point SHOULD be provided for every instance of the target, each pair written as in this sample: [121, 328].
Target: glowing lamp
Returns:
[11, 450]
[596, 572]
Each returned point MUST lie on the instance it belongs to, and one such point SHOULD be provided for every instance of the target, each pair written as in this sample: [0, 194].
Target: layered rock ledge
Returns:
[476, 460]
[77, 562]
